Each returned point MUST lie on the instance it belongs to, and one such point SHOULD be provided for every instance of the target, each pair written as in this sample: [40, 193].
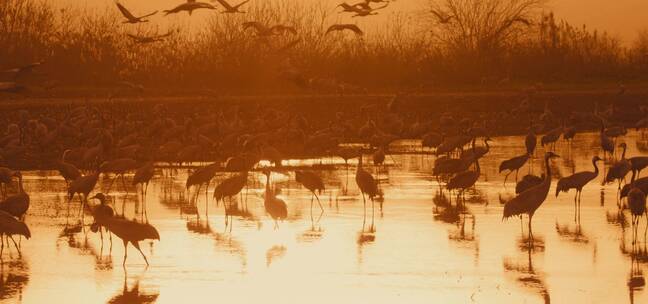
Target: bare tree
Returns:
[481, 27]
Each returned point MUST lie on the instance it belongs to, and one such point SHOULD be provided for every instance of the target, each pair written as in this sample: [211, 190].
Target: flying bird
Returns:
[232, 9]
[442, 17]
[341, 27]
[189, 7]
[149, 39]
[129, 16]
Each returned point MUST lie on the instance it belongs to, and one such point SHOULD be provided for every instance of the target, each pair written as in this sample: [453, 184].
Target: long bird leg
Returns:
[112, 180]
[575, 207]
[321, 207]
[2, 246]
[124, 183]
[372, 215]
[206, 202]
[364, 205]
[125, 252]
[15, 245]
[311, 208]
[530, 231]
[136, 245]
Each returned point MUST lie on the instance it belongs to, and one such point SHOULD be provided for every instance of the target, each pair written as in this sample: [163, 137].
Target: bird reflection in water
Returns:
[638, 256]
[71, 235]
[275, 252]
[527, 276]
[224, 242]
[574, 234]
[134, 295]
[14, 276]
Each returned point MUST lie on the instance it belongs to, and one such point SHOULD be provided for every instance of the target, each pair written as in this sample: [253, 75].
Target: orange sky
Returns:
[623, 18]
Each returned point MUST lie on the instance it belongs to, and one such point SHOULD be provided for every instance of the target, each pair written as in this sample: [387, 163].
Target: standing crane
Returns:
[229, 188]
[637, 205]
[313, 183]
[82, 186]
[530, 200]
[101, 213]
[513, 164]
[143, 175]
[10, 226]
[464, 180]
[369, 187]
[274, 206]
[6, 177]
[202, 176]
[578, 181]
[17, 204]
[119, 167]
[131, 232]
[620, 169]
[68, 171]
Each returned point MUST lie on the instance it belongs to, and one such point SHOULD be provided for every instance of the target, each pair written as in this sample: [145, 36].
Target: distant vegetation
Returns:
[520, 43]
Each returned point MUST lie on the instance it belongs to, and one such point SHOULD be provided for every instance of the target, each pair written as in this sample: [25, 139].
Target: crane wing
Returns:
[149, 15]
[125, 11]
[225, 4]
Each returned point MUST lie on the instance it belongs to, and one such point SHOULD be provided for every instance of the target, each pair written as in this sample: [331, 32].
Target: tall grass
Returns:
[90, 48]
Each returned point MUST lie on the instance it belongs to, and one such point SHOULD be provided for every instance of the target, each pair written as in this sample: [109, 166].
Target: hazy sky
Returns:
[623, 18]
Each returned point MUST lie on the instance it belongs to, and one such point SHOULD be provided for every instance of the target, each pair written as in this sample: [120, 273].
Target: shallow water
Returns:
[419, 252]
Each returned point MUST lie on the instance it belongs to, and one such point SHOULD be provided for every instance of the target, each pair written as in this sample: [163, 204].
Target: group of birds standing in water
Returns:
[85, 141]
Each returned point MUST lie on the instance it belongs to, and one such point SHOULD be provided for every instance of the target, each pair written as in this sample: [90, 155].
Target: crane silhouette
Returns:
[369, 187]
[313, 183]
[274, 206]
[189, 7]
[6, 178]
[637, 206]
[17, 204]
[202, 176]
[513, 164]
[528, 181]
[465, 180]
[230, 8]
[530, 200]
[101, 213]
[82, 186]
[619, 169]
[10, 226]
[129, 16]
[578, 181]
[68, 171]
[229, 188]
[131, 232]
[119, 167]
[143, 176]
[345, 27]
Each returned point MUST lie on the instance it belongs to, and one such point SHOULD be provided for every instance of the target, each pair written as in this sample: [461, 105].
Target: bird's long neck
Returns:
[359, 163]
[632, 179]
[624, 151]
[547, 171]
[596, 169]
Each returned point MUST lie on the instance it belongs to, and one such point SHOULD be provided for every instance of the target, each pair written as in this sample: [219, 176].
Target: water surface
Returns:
[419, 252]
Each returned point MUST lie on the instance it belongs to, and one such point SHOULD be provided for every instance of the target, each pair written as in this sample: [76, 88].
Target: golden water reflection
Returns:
[424, 249]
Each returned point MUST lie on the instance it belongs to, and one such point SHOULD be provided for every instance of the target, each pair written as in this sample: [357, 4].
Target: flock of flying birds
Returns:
[361, 9]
